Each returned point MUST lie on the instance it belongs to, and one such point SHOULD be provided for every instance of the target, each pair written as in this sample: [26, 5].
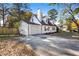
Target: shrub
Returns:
[16, 24]
[8, 31]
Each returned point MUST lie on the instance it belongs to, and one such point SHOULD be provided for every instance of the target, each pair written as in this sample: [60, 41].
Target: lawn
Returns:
[71, 35]
[12, 46]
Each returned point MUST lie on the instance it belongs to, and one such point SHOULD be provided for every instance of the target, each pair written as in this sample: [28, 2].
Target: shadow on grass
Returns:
[52, 45]
[6, 37]
[68, 35]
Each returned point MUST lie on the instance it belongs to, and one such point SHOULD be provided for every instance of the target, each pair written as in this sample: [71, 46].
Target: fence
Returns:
[8, 31]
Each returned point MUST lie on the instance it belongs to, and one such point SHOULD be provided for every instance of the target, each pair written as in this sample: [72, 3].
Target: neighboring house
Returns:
[36, 25]
[5, 21]
[64, 28]
[1, 22]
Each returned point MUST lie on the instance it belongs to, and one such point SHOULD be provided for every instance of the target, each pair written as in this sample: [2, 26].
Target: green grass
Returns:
[66, 35]
[6, 37]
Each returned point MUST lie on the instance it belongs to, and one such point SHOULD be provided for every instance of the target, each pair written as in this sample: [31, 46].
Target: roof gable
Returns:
[34, 19]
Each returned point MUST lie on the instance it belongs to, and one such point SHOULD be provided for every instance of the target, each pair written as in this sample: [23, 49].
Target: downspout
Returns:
[41, 28]
[28, 29]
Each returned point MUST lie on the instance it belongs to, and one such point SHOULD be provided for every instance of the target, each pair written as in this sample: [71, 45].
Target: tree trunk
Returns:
[3, 20]
[3, 16]
[76, 24]
[69, 26]
[74, 20]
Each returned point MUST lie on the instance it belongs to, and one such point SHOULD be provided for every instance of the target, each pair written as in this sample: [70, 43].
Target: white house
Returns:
[37, 25]
[1, 21]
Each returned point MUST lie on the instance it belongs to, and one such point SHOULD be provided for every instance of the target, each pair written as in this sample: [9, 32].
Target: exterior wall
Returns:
[48, 29]
[44, 29]
[34, 29]
[54, 29]
[64, 28]
[23, 28]
[34, 19]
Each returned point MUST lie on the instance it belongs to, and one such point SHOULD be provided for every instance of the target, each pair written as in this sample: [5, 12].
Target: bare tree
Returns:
[4, 9]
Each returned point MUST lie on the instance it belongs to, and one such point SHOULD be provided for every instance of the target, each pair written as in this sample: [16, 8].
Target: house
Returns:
[1, 22]
[37, 25]
[5, 22]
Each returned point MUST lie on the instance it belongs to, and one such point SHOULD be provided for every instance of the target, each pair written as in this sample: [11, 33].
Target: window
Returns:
[45, 28]
[53, 28]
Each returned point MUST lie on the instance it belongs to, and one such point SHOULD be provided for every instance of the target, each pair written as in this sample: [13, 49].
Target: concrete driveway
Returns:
[46, 45]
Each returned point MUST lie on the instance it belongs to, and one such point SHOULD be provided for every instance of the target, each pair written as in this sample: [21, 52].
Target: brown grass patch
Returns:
[15, 48]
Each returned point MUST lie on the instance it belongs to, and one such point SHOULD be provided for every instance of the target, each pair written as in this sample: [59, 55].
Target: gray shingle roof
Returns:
[42, 21]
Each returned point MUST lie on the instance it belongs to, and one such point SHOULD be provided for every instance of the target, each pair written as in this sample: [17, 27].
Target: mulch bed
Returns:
[15, 48]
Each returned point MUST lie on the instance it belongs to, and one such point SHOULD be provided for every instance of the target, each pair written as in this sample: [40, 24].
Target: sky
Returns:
[45, 8]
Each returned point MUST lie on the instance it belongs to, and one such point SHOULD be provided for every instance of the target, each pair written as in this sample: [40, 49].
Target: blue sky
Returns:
[45, 8]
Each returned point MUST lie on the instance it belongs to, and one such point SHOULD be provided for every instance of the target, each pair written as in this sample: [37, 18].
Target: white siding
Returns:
[34, 29]
[49, 29]
[23, 28]
[30, 29]
[34, 20]
[54, 29]
[43, 29]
